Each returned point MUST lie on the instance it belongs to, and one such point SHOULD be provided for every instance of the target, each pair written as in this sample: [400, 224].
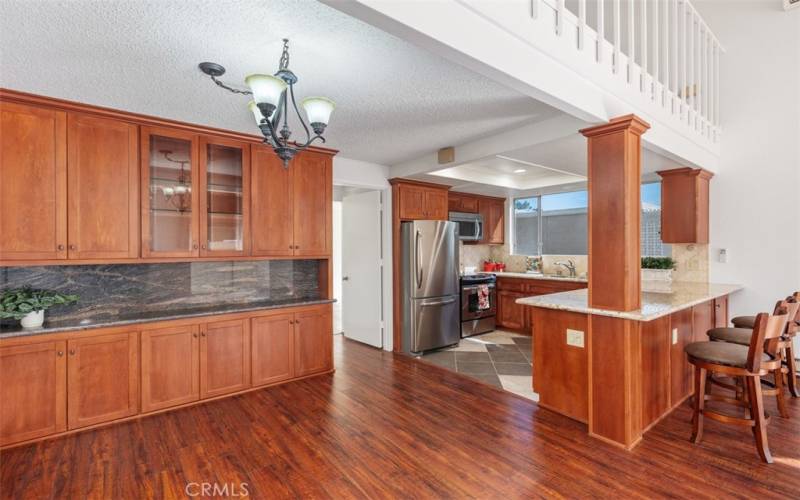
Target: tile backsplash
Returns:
[110, 290]
[475, 255]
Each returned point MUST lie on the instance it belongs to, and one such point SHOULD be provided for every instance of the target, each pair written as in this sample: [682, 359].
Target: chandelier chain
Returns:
[284, 63]
[231, 89]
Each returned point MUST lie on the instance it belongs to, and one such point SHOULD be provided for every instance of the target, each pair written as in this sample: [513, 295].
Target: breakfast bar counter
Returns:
[620, 372]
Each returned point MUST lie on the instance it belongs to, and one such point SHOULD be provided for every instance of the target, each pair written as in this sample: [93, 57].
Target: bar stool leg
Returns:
[699, 403]
[793, 383]
[784, 413]
[760, 427]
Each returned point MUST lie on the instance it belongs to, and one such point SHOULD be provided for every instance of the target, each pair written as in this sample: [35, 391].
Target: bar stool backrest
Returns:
[766, 334]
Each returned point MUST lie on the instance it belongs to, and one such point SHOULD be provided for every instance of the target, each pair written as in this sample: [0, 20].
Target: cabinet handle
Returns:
[202, 334]
[194, 246]
[203, 247]
[60, 247]
[194, 335]
[291, 246]
[60, 353]
[72, 352]
[72, 247]
[297, 322]
[297, 247]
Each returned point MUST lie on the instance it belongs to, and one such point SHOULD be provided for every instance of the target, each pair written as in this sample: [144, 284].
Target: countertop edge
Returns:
[538, 277]
[631, 315]
[167, 317]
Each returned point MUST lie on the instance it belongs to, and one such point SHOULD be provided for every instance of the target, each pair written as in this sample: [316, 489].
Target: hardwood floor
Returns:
[388, 426]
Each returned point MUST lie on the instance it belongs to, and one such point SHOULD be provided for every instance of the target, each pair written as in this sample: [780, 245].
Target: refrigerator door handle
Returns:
[417, 250]
[438, 303]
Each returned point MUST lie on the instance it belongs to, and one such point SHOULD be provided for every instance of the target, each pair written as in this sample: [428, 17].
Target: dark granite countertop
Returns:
[131, 318]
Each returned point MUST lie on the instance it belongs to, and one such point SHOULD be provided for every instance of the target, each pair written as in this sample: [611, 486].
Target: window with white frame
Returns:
[557, 224]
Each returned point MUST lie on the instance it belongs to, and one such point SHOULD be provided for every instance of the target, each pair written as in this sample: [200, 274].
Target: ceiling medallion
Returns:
[270, 104]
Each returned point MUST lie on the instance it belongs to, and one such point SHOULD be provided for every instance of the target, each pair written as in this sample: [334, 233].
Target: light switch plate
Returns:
[674, 336]
[575, 338]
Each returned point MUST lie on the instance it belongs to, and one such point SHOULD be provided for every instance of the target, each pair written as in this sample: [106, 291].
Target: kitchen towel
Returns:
[483, 297]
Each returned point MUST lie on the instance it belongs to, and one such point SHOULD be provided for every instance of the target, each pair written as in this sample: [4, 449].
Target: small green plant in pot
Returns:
[657, 268]
[28, 304]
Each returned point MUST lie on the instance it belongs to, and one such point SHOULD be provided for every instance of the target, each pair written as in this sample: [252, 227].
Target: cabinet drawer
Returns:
[513, 284]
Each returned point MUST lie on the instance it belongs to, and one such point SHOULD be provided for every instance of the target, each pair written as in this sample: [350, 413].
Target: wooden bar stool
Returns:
[734, 360]
[793, 376]
[785, 353]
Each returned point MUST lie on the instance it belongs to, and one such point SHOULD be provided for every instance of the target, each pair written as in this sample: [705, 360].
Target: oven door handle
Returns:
[473, 288]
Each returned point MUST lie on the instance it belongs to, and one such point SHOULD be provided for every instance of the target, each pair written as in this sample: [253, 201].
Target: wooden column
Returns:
[615, 213]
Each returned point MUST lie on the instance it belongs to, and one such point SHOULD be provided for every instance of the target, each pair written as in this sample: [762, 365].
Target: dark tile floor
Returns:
[498, 358]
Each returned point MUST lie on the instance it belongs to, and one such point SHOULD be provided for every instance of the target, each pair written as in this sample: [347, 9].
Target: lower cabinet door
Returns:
[33, 390]
[224, 357]
[510, 314]
[170, 367]
[313, 341]
[272, 340]
[102, 378]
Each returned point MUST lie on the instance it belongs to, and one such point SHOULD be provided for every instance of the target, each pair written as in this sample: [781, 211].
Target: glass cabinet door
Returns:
[224, 200]
[170, 215]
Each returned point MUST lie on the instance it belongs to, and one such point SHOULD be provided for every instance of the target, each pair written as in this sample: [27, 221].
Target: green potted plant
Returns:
[657, 268]
[28, 304]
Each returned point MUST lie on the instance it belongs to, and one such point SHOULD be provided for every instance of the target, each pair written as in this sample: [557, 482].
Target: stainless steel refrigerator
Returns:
[430, 285]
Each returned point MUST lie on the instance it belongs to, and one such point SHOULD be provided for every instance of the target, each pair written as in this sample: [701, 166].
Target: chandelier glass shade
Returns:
[273, 100]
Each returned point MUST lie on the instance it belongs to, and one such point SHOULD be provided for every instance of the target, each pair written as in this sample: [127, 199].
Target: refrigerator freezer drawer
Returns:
[435, 323]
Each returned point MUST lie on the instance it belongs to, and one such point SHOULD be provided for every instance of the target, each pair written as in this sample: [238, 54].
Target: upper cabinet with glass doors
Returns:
[196, 196]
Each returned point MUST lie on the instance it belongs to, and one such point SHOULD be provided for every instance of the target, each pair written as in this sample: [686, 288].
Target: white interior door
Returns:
[361, 267]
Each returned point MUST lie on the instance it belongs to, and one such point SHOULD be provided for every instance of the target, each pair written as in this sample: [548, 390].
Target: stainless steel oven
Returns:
[478, 316]
[470, 226]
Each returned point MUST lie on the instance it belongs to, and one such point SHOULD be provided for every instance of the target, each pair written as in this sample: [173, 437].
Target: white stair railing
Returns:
[669, 53]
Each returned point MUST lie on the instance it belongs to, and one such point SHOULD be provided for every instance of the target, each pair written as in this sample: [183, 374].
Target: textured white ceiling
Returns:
[395, 101]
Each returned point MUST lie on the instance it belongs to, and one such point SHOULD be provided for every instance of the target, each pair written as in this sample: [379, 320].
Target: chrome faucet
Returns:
[570, 265]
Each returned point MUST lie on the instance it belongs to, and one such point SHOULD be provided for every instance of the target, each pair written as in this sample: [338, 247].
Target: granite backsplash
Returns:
[109, 291]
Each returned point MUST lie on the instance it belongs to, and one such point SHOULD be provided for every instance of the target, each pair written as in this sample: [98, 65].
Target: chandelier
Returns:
[270, 105]
[180, 195]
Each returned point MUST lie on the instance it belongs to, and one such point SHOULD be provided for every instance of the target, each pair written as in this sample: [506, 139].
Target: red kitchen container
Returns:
[489, 266]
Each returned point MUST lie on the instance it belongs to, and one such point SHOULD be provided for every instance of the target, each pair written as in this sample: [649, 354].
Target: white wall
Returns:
[756, 194]
[356, 173]
[348, 172]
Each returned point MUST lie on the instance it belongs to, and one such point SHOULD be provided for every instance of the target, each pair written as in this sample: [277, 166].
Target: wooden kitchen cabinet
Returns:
[224, 183]
[33, 182]
[682, 373]
[312, 203]
[458, 202]
[170, 367]
[271, 204]
[511, 315]
[684, 205]
[170, 191]
[721, 312]
[33, 390]
[493, 221]
[224, 357]
[313, 341]
[102, 378]
[272, 347]
[420, 200]
[291, 207]
[703, 320]
[103, 188]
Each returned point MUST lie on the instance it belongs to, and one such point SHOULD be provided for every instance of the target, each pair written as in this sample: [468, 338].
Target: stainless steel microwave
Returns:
[470, 226]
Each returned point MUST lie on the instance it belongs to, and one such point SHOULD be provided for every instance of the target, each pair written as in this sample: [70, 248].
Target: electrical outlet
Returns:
[575, 338]
[674, 336]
